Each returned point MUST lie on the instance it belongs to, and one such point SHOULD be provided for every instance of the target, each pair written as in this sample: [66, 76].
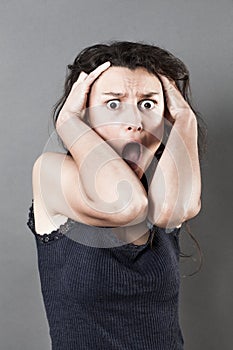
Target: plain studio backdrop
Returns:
[38, 40]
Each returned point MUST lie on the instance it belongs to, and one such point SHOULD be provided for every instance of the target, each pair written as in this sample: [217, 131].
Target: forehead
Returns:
[125, 79]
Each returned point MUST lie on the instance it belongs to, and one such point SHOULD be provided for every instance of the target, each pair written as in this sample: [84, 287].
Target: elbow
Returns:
[159, 215]
[163, 220]
[133, 213]
[194, 211]
[170, 219]
[139, 211]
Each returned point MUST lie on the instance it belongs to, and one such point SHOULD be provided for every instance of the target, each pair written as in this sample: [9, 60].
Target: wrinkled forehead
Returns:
[125, 80]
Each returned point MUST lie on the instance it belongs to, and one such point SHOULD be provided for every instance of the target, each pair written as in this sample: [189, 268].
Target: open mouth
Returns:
[131, 153]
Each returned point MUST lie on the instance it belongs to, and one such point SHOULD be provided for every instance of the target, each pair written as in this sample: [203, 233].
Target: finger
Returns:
[81, 78]
[97, 72]
[77, 99]
[167, 83]
[88, 79]
[174, 98]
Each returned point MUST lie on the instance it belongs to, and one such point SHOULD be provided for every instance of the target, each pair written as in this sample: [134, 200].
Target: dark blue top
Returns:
[117, 298]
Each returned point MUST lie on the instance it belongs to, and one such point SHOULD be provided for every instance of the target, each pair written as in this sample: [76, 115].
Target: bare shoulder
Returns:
[59, 194]
[46, 158]
[48, 169]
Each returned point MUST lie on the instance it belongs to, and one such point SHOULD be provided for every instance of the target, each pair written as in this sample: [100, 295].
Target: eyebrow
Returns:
[120, 94]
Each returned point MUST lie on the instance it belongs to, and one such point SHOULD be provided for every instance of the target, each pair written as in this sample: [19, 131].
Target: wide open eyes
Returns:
[143, 105]
[113, 104]
[147, 104]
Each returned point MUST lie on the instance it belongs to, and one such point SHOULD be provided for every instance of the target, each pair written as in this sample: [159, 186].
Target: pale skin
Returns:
[62, 185]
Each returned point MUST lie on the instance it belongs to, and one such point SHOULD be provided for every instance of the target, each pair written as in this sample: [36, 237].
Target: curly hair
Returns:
[133, 55]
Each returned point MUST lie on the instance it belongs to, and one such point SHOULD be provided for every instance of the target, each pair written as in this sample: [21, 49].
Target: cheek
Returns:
[101, 118]
[154, 124]
[108, 132]
[112, 135]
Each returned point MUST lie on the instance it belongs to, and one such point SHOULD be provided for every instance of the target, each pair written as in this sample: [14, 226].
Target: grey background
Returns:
[38, 39]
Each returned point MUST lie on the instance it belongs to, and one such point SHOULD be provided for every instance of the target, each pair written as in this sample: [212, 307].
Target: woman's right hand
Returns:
[75, 103]
[93, 185]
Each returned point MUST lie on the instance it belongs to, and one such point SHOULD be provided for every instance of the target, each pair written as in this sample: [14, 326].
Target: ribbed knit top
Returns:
[118, 298]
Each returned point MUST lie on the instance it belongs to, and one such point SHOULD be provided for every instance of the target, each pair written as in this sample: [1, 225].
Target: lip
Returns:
[132, 141]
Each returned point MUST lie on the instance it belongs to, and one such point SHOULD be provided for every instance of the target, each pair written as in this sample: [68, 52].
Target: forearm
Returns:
[175, 189]
[108, 183]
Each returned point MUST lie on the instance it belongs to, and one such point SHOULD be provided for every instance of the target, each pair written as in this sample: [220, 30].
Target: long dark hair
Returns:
[133, 55]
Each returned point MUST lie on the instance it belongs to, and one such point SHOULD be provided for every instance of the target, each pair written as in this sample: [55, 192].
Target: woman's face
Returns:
[126, 109]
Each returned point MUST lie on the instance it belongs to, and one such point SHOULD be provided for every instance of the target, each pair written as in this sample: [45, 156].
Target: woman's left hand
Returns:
[175, 189]
[175, 102]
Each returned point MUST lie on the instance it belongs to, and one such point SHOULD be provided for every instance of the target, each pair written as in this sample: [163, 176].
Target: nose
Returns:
[134, 127]
[133, 122]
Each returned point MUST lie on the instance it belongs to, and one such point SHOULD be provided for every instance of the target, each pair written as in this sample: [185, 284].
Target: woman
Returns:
[96, 209]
